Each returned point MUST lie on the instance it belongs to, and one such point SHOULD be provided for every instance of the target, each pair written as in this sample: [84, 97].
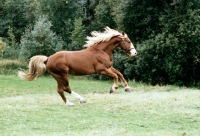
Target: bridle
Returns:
[127, 49]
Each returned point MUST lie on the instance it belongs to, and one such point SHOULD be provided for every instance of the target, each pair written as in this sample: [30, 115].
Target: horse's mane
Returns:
[97, 37]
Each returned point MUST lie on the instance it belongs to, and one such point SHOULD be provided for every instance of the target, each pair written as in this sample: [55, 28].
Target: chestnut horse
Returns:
[95, 59]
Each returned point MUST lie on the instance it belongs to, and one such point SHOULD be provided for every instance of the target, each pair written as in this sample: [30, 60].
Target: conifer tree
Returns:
[78, 34]
[40, 40]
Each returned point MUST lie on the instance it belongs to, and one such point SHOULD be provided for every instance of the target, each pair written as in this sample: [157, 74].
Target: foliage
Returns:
[62, 14]
[12, 50]
[141, 18]
[10, 67]
[172, 57]
[78, 35]
[102, 16]
[2, 46]
[40, 40]
[159, 60]
[17, 15]
[124, 63]
[166, 33]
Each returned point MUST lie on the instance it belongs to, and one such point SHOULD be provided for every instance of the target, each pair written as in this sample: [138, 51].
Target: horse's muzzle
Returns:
[133, 52]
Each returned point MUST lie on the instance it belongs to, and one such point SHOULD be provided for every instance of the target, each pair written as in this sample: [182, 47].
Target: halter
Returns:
[127, 49]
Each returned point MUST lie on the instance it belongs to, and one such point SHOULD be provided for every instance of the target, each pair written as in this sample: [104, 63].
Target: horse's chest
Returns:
[104, 60]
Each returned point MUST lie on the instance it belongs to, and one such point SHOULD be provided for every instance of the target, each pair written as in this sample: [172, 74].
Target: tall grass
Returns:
[9, 67]
[34, 108]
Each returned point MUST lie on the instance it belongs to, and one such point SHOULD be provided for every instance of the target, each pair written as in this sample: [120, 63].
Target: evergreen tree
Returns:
[2, 47]
[62, 14]
[16, 14]
[103, 16]
[40, 40]
[78, 35]
[141, 18]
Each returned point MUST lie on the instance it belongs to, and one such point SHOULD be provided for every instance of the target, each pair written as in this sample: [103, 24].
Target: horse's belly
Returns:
[81, 71]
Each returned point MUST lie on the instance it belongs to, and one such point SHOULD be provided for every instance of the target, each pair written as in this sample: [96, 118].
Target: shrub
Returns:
[169, 59]
[40, 40]
[9, 67]
[11, 50]
[2, 46]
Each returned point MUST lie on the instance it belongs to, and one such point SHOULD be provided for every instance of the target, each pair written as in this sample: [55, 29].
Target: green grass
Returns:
[35, 109]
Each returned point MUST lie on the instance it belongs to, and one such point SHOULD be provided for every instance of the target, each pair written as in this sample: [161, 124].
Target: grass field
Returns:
[35, 109]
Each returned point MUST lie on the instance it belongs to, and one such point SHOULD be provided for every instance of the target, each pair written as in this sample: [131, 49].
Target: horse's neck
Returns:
[108, 47]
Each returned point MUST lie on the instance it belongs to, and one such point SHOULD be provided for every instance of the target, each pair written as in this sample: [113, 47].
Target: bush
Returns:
[169, 59]
[9, 67]
[124, 63]
[2, 46]
[78, 36]
[40, 40]
[11, 48]
[159, 60]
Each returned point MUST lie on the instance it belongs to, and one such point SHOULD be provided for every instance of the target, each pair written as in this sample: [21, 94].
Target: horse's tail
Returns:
[36, 68]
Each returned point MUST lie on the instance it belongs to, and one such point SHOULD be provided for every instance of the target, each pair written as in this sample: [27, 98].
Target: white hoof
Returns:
[70, 104]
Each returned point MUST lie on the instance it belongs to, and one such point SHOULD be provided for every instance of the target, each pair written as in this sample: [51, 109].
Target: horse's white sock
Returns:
[68, 103]
[81, 99]
[77, 95]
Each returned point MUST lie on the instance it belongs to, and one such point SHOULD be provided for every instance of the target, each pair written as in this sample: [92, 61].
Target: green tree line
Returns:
[166, 33]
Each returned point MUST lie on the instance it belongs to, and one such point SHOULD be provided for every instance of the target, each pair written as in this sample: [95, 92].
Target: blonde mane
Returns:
[98, 37]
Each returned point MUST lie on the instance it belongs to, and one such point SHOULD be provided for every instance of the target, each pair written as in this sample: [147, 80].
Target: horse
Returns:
[96, 58]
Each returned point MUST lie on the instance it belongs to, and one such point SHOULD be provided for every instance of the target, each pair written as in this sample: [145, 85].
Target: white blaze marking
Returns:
[133, 50]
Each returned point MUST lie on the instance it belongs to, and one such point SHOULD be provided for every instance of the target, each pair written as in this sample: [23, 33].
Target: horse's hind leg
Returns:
[61, 92]
[63, 85]
[60, 88]
[68, 89]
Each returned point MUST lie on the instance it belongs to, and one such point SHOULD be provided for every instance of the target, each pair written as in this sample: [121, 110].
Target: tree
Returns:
[40, 40]
[11, 51]
[141, 18]
[62, 14]
[78, 35]
[103, 16]
[172, 56]
[16, 14]
[2, 46]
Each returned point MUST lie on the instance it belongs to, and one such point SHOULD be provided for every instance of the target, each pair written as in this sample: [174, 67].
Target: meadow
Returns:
[36, 109]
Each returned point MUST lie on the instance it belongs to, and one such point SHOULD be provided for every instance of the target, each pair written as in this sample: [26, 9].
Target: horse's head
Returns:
[127, 45]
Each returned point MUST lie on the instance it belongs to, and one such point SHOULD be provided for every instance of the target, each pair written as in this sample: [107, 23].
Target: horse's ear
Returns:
[123, 33]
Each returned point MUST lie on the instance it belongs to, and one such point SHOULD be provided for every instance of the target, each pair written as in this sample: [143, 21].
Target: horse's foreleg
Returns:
[109, 72]
[124, 82]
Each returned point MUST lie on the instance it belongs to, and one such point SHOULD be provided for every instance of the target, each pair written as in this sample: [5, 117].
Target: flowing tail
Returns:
[36, 68]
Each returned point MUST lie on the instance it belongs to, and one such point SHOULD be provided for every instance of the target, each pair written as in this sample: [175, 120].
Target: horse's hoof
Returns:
[69, 104]
[111, 90]
[82, 101]
[128, 89]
